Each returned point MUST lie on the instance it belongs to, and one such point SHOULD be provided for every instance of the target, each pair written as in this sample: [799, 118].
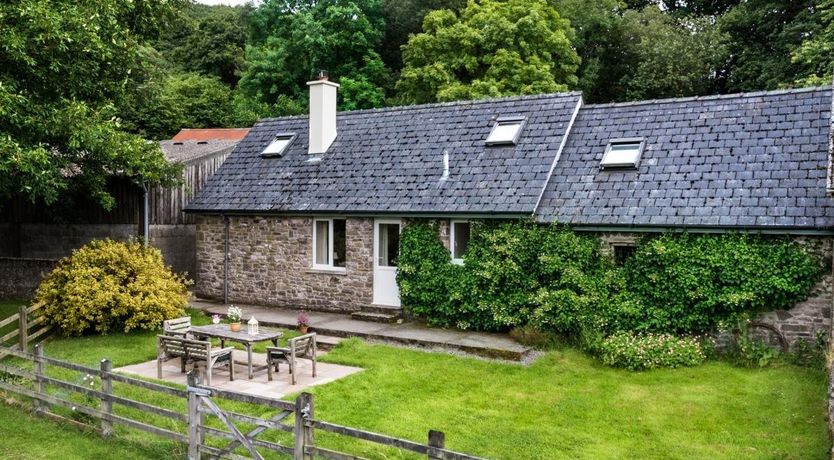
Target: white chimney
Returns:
[322, 114]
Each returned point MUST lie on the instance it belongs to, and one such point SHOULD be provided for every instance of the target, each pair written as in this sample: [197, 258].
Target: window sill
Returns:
[457, 261]
[328, 270]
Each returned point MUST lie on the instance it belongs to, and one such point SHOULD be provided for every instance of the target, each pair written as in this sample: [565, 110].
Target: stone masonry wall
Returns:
[51, 241]
[270, 261]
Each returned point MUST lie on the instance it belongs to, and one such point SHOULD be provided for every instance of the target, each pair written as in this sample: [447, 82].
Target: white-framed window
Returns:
[622, 154]
[329, 244]
[505, 131]
[458, 239]
[279, 145]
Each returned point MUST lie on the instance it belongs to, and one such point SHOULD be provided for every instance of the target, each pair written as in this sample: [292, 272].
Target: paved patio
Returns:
[488, 345]
[259, 386]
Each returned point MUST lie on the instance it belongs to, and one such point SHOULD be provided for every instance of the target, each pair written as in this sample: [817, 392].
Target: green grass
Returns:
[565, 405]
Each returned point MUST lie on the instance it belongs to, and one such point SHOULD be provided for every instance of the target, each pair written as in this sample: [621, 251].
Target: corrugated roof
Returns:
[745, 160]
[391, 161]
[214, 134]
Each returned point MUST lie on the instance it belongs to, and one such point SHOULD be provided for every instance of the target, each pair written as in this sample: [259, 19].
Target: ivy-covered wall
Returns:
[552, 278]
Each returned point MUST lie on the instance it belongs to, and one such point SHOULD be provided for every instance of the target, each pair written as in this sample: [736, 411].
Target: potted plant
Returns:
[303, 322]
[234, 314]
[215, 319]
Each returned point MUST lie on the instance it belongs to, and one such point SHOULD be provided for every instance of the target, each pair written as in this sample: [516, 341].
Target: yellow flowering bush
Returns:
[111, 286]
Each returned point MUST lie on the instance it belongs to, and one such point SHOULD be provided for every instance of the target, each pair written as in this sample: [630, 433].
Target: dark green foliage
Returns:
[292, 41]
[688, 283]
[518, 274]
[64, 64]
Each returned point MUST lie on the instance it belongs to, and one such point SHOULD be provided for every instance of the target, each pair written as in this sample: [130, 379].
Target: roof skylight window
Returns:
[279, 145]
[622, 154]
[505, 131]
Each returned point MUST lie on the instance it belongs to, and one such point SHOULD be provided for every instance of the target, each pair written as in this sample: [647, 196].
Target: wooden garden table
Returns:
[222, 332]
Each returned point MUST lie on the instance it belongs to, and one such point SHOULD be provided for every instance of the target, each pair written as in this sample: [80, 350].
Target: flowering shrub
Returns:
[111, 286]
[650, 351]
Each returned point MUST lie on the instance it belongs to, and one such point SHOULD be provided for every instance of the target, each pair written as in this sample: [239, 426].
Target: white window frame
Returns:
[638, 141]
[288, 138]
[452, 238]
[501, 121]
[330, 240]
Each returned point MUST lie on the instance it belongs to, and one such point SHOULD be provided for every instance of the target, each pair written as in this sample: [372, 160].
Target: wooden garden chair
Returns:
[170, 347]
[303, 346]
[179, 327]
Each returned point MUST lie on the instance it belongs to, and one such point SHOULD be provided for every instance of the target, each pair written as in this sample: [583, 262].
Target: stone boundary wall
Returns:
[270, 260]
[19, 278]
[178, 244]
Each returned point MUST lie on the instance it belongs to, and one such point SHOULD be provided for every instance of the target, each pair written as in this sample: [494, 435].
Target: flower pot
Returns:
[234, 327]
[302, 329]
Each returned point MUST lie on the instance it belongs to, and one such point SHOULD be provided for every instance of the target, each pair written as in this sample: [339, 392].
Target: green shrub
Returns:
[691, 283]
[111, 286]
[650, 351]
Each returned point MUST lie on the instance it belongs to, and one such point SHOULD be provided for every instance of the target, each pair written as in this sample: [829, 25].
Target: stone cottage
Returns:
[306, 212]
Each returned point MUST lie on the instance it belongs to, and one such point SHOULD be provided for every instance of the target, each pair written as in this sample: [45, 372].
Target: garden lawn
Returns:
[565, 405]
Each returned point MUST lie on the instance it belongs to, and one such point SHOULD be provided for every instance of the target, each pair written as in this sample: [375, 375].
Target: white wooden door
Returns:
[386, 253]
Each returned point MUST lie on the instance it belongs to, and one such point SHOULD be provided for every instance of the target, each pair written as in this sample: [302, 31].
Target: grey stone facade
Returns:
[19, 278]
[178, 246]
[270, 260]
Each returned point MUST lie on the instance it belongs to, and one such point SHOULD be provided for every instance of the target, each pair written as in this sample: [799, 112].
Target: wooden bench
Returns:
[170, 347]
[303, 346]
[177, 326]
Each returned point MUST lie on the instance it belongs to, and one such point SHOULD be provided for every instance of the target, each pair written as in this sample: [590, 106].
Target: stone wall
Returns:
[20, 277]
[270, 260]
[178, 244]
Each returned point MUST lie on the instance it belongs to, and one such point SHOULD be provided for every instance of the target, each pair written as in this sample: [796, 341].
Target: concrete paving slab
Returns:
[488, 345]
[259, 386]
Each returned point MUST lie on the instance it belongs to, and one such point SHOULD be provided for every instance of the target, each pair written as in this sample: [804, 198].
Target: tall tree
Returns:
[208, 39]
[404, 18]
[599, 43]
[62, 63]
[674, 57]
[292, 40]
[492, 48]
[815, 57]
[764, 34]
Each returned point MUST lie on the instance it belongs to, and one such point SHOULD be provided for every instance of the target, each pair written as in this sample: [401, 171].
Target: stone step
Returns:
[384, 309]
[327, 342]
[376, 317]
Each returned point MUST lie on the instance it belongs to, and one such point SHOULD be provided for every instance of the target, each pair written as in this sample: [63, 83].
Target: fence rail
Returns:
[295, 417]
[27, 330]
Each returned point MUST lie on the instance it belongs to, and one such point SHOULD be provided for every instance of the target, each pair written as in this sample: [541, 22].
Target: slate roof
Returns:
[747, 160]
[185, 151]
[391, 161]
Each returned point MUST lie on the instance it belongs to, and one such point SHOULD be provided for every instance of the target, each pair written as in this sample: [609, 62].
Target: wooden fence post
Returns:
[303, 434]
[39, 386]
[23, 328]
[106, 404]
[436, 439]
[195, 418]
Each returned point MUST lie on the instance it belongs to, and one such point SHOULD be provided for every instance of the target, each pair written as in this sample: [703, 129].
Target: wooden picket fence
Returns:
[202, 403]
[31, 326]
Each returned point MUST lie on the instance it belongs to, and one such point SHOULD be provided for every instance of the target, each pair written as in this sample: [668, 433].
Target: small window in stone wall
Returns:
[622, 252]
[459, 239]
[329, 243]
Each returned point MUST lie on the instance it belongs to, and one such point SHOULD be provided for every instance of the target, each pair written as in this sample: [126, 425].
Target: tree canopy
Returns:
[62, 64]
[492, 48]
